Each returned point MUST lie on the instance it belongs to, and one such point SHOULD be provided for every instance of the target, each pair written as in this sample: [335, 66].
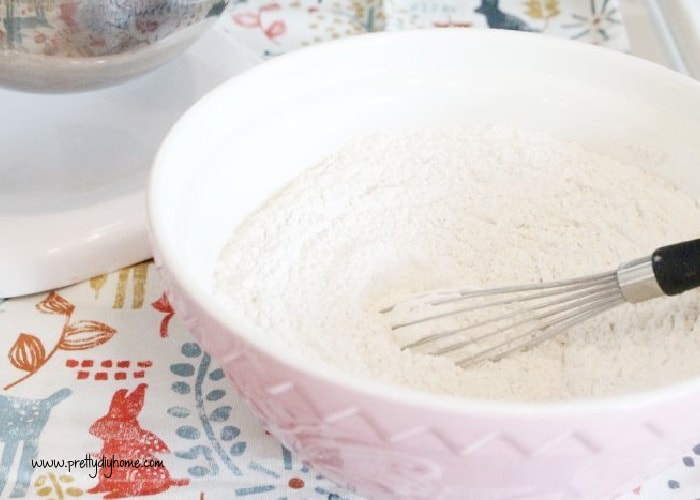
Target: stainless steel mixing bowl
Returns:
[72, 45]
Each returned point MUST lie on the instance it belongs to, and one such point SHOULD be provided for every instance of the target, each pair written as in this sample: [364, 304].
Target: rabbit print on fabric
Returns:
[125, 441]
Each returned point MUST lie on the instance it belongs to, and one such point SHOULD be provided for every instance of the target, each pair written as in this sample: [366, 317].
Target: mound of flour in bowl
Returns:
[401, 213]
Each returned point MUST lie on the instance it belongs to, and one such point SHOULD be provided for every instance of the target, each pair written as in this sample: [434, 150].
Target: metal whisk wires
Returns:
[509, 319]
[474, 325]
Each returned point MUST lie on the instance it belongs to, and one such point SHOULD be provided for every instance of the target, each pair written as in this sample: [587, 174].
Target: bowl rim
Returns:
[175, 272]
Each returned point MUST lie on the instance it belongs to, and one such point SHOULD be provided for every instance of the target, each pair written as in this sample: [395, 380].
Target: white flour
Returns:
[400, 214]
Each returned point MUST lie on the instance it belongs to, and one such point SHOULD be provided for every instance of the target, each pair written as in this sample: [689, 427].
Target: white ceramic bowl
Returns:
[246, 139]
[72, 45]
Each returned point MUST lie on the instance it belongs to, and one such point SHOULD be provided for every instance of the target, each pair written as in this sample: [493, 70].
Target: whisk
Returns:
[475, 325]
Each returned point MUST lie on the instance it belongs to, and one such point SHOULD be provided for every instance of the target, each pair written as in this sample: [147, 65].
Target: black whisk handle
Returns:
[677, 267]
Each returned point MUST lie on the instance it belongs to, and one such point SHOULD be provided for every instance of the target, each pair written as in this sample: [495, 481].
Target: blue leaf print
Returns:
[196, 452]
[220, 414]
[198, 471]
[237, 449]
[181, 387]
[187, 432]
[191, 350]
[182, 369]
[215, 395]
[179, 411]
[229, 433]
[255, 490]
[217, 374]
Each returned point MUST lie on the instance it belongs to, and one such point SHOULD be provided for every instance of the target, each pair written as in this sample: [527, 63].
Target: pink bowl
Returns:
[246, 139]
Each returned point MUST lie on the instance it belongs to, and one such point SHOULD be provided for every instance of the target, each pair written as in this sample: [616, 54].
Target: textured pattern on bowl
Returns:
[77, 44]
[393, 449]
[387, 441]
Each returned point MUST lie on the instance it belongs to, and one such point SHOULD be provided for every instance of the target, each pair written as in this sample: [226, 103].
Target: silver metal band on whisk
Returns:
[637, 280]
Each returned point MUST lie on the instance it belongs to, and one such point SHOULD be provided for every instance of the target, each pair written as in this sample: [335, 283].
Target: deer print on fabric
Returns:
[21, 423]
[124, 439]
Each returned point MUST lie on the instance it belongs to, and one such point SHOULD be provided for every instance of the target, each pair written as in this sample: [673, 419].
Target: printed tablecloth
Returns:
[104, 370]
